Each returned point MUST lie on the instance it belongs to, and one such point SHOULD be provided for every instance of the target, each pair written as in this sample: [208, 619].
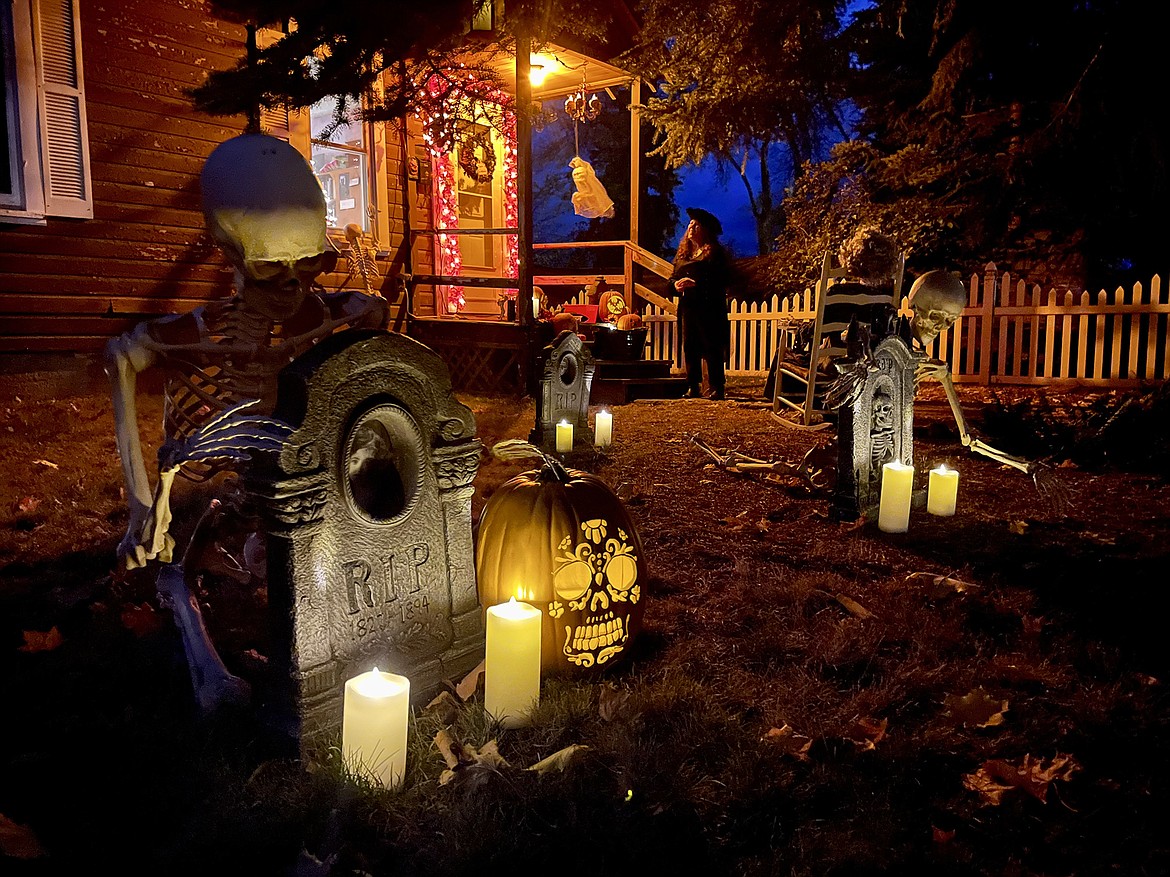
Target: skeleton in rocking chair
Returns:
[265, 209]
[937, 298]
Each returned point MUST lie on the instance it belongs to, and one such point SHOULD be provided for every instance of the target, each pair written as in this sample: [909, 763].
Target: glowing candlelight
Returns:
[894, 507]
[536, 307]
[564, 437]
[511, 682]
[373, 726]
[603, 429]
[942, 491]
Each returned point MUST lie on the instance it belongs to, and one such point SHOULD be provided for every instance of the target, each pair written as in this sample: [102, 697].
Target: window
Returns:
[344, 158]
[44, 158]
[340, 159]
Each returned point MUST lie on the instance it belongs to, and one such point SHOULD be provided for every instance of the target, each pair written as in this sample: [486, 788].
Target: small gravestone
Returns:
[564, 393]
[367, 512]
[877, 428]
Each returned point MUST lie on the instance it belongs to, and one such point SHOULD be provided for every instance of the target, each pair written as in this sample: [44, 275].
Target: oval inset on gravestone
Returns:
[381, 464]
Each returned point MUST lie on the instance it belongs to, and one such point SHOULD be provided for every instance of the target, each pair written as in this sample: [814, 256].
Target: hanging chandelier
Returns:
[581, 106]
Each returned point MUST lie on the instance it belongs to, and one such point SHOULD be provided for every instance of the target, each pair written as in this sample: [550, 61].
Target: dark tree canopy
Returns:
[1032, 124]
[737, 77]
[345, 48]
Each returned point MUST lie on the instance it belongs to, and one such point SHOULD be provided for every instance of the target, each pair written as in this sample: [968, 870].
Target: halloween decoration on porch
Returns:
[937, 298]
[590, 200]
[561, 540]
[361, 259]
[612, 306]
[264, 207]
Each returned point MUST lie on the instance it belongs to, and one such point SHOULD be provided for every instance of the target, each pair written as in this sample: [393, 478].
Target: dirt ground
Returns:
[803, 624]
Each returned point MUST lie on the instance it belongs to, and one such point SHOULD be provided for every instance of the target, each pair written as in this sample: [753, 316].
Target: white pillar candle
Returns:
[894, 508]
[942, 491]
[564, 437]
[511, 681]
[603, 429]
[373, 726]
[536, 307]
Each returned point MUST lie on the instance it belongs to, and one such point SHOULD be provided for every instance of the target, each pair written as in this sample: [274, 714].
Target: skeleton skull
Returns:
[937, 298]
[272, 229]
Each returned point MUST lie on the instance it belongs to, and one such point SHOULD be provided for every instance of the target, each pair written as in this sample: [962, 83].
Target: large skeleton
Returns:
[937, 299]
[264, 207]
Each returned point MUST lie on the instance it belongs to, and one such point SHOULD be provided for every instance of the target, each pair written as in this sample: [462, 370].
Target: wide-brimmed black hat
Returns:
[706, 219]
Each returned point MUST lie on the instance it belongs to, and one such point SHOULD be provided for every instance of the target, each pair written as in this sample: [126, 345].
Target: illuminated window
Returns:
[340, 159]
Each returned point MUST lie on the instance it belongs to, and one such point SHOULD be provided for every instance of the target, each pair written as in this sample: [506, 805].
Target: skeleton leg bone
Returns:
[213, 684]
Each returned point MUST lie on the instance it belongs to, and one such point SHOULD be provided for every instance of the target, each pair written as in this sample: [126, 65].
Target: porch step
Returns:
[616, 382]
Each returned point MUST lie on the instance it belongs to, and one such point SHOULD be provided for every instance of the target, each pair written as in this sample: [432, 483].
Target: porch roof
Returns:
[563, 69]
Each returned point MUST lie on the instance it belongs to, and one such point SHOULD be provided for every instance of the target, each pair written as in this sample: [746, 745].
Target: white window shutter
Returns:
[61, 99]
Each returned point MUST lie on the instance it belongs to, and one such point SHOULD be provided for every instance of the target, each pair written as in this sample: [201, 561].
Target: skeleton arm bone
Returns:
[942, 373]
[126, 356]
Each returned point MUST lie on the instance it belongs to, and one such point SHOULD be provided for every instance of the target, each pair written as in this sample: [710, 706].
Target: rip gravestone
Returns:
[564, 392]
[367, 509]
[877, 428]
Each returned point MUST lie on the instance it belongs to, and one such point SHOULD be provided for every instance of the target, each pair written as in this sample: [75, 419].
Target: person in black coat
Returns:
[702, 271]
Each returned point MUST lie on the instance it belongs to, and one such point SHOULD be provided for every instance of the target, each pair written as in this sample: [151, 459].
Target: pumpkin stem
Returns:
[518, 449]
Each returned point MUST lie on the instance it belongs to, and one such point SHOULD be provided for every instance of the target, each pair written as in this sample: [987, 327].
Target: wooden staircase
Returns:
[616, 382]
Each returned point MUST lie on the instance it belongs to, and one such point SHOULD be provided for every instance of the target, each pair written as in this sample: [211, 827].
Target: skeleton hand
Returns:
[1051, 487]
[847, 386]
[230, 436]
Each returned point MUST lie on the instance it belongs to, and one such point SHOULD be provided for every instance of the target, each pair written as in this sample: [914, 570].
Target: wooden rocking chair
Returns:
[834, 313]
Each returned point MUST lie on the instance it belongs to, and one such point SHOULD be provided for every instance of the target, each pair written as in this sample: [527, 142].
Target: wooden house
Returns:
[100, 220]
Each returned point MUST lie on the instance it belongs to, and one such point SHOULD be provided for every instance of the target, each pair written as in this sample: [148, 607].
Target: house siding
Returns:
[69, 285]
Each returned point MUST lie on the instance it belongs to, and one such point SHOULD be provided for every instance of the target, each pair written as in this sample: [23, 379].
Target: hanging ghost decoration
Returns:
[590, 200]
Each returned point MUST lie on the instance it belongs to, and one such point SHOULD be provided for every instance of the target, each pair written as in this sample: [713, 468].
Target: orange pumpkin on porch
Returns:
[561, 540]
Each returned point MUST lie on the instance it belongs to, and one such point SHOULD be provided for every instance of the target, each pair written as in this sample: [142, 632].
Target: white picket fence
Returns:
[1009, 333]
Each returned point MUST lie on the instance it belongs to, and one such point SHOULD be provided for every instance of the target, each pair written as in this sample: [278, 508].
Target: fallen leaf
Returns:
[49, 463]
[853, 606]
[1032, 775]
[559, 760]
[467, 764]
[140, 619]
[28, 504]
[18, 841]
[611, 702]
[467, 687]
[1018, 527]
[41, 640]
[791, 742]
[444, 706]
[976, 709]
[867, 732]
[940, 835]
[942, 585]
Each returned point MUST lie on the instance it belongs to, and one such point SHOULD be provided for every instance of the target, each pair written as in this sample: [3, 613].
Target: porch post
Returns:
[524, 178]
[635, 159]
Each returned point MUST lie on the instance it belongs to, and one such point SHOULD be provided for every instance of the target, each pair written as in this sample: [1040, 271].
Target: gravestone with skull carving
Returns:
[875, 428]
[367, 507]
[565, 384]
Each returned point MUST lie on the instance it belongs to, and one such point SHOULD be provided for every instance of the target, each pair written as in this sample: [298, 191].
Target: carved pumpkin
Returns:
[626, 322]
[612, 306]
[561, 540]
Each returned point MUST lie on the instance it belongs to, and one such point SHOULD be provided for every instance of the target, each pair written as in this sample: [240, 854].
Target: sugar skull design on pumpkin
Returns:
[594, 575]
